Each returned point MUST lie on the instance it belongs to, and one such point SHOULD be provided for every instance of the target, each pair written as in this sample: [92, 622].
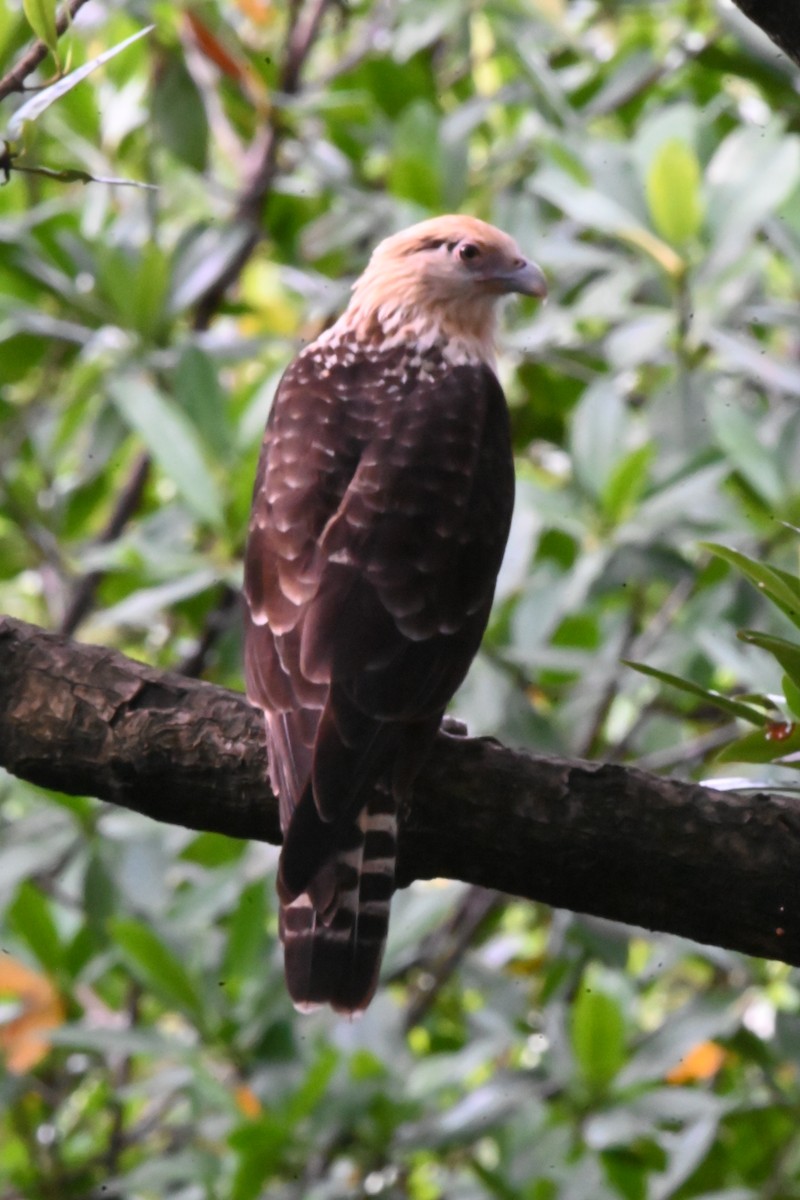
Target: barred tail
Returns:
[333, 952]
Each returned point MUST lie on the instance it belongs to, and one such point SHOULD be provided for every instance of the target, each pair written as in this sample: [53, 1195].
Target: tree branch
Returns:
[304, 24]
[608, 840]
[14, 81]
[83, 595]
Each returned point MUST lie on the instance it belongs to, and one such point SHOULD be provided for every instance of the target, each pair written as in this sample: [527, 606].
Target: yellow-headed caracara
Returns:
[380, 515]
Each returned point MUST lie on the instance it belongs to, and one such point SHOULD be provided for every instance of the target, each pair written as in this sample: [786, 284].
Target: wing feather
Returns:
[380, 515]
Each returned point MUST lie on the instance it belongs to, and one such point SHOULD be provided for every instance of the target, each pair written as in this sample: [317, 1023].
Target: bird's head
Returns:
[439, 281]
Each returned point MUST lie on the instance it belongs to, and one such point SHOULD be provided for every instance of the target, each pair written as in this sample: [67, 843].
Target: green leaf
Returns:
[33, 108]
[173, 442]
[734, 707]
[261, 1148]
[30, 915]
[41, 16]
[415, 172]
[596, 210]
[598, 433]
[247, 934]
[737, 434]
[791, 691]
[753, 172]
[179, 113]
[787, 653]
[156, 966]
[768, 745]
[598, 1036]
[673, 192]
[136, 284]
[626, 483]
[780, 587]
[199, 395]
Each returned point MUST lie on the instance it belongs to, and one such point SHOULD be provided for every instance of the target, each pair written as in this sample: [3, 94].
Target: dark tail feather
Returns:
[334, 957]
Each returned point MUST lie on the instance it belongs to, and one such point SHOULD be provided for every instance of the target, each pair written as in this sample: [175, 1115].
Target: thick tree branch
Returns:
[607, 840]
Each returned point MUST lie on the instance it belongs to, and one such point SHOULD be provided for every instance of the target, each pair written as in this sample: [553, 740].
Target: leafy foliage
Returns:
[648, 157]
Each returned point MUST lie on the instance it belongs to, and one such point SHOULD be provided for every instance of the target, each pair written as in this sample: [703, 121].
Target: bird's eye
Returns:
[468, 251]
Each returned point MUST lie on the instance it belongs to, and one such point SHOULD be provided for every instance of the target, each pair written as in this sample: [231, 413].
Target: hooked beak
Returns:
[525, 278]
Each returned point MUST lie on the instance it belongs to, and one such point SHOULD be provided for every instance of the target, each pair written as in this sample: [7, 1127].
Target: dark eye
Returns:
[468, 251]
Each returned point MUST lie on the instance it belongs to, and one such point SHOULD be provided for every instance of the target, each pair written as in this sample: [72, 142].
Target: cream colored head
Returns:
[438, 282]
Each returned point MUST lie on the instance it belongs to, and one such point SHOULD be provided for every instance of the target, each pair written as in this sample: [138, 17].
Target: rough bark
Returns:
[607, 840]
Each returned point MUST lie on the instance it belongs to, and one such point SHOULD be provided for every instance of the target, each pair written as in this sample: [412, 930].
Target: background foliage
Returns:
[648, 156]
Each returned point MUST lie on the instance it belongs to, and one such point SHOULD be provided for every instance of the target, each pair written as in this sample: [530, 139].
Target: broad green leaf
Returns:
[673, 192]
[416, 169]
[312, 1090]
[738, 436]
[734, 707]
[774, 742]
[247, 933]
[41, 101]
[172, 440]
[180, 114]
[598, 435]
[755, 170]
[156, 965]
[595, 210]
[791, 691]
[626, 483]
[136, 284]
[598, 1036]
[778, 586]
[41, 16]
[31, 916]
[740, 354]
[260, 1146]
[142, 606]
[200, 396]
[787, 653]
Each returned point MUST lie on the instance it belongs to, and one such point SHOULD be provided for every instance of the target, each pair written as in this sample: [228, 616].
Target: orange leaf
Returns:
[260, 12]
[247, 1101]
[23, 1038]
[210, 45]
[702, 1062]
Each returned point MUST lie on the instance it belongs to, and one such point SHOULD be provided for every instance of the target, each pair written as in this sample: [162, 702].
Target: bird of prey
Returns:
[381, 510]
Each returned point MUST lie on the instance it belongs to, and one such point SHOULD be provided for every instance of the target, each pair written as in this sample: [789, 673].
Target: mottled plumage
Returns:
[380, 514]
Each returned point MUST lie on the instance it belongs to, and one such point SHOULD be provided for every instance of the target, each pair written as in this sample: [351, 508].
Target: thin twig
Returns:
[304, 25]
[218, 622]
[442, 953]
[14, 81]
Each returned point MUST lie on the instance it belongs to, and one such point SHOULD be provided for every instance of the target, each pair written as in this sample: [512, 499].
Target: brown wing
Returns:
[381, 511]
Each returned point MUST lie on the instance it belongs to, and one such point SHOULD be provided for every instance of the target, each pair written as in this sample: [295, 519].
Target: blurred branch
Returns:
[219, 620]
[304, 24]
[609, 840]
[440, 955]
[82, 598]
[14, 81]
